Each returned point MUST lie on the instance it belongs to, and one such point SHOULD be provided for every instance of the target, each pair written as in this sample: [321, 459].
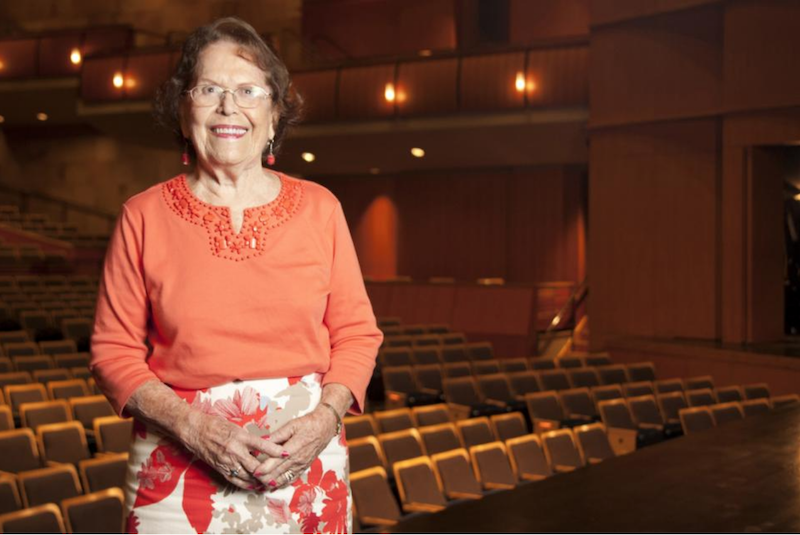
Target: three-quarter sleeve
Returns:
[354, 335]
[119, 352]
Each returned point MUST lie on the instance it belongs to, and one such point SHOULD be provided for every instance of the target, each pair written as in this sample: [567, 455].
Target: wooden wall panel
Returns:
[525, 226]
[761, 50]
[547, 19]
[661, 68]
[652, 253]
[609, 11]
[361, 28]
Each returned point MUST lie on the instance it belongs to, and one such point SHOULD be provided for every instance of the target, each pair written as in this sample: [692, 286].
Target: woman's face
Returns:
[209, 128]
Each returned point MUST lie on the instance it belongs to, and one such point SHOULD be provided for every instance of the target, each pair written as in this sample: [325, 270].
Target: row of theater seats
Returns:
[58, 497]
[696, 419]
[429, 483]
[38, 223]
[423, 340]
[64, 464]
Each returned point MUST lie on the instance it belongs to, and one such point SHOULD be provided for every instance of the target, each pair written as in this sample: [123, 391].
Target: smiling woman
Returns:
[232, 320]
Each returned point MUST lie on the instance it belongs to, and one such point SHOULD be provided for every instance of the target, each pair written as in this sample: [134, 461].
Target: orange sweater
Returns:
[283, 298]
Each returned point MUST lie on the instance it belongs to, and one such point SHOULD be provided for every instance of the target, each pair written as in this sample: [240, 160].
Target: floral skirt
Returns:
[168, 490]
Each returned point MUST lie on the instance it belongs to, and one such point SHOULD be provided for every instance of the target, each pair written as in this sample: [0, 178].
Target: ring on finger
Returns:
[235, 471]
[289, 475]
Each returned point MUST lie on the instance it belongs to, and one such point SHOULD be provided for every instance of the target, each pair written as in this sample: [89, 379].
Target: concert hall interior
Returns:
[576, 220]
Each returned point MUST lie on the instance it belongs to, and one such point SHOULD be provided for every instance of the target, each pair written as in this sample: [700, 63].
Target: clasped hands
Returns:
[229, 449]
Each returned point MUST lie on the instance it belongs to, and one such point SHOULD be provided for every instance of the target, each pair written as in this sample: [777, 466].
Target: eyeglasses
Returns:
[246, 96]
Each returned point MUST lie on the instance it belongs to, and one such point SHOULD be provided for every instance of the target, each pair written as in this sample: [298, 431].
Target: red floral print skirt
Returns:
[168, 490]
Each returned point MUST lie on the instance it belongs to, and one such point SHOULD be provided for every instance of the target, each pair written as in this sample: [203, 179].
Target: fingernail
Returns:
[265, 437]
[258, 474]
[273, 483]
[284, 454]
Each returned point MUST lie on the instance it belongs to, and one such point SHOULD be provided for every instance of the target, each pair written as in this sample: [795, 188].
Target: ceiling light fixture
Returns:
[388, 93]
[520, 82]
[308, 156]
[42, 116]
[118, 80]
[2, 119]
[425, 53]
[417, 152]
[75, 56]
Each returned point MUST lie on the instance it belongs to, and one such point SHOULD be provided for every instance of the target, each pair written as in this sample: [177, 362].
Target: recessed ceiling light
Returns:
[42, 116]
[118, 80]
[75, 56]
[308, 156]
[425, 53]
[417, 152]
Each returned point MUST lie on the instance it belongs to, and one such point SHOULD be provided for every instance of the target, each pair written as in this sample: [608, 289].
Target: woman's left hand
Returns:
[303, 439]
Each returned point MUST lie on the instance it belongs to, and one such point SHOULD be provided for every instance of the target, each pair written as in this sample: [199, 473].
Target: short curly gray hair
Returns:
[167, 105]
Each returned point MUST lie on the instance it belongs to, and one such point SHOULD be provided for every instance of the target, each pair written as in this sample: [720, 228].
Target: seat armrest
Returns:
[496, 403]
[375, 521]
[501, 486]
[459, 412]
[541, 425]
[429, 391]
[532, 477]
[563, 468]
[645, 425]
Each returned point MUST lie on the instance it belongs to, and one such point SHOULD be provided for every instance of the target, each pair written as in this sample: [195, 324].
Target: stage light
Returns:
[389, 93]
[42, 116]
[417, 152]
[75, 56]
[520, 82]
[118, 80]
[308, 156]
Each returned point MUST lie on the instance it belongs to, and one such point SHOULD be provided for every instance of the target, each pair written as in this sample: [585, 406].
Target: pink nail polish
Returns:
[284, 454]
[273, 483]
[258, 474]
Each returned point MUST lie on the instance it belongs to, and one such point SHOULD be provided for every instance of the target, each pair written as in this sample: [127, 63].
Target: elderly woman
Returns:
[232, 321]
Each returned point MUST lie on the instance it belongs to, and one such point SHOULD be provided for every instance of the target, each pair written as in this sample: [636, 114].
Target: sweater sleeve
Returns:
[354, 334]
[119, 352]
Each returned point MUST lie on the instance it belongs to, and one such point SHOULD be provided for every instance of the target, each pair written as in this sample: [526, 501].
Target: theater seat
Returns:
[669, 385]
[755, 391]
[62, 443]
[528, 458]
[426, 355]
[485, 367]
[506, 426]
[97, 512]
[784, 401]
[578, 405]
[373, 498]
[696, 419]
[593, 443]
[727, 412]
[401, 445]
[641, 371]
[18, 451]
[619, 422]
[394, 420]
[613, 374]
[49, 485]
[645, 412]
[583, 377]
[431, 414]
[104, 472]
[700, 397]
[728, 394]
[418, 487]
[561, 451]
[440, 438]
[44, 412]
[697, 383]
[42, 519]
[554, 380]
[670, 404]
[603, 393]
[456, 474]
[519, 364]
[597, 360]
[492, 467]
[365, 452]
[523, 383]
[9, 494]
[359, 426]
[475, 431]
[113, 434]
[642, 388]
[754, 407]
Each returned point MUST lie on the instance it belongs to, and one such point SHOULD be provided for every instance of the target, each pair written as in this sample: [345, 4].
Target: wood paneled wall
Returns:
[683, 94]
[522, 225]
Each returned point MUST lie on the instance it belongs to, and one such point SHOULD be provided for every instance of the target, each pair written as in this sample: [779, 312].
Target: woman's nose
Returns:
[226, 104]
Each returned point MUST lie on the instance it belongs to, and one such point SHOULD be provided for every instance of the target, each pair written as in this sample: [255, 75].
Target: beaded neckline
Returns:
[216, 220]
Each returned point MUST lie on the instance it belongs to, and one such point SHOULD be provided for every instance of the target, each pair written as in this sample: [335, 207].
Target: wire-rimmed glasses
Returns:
[246, 96]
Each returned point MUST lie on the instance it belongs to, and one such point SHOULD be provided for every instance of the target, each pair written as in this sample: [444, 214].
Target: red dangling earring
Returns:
[270, 155]
[185, 155]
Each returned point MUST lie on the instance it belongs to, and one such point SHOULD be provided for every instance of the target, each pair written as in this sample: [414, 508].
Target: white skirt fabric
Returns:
[168, 490]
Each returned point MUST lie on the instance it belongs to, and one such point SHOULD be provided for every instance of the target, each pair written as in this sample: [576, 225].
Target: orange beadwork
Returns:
[258, 221]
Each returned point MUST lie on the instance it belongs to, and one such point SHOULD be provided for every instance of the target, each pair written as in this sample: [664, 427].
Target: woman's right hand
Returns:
[224, 446]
